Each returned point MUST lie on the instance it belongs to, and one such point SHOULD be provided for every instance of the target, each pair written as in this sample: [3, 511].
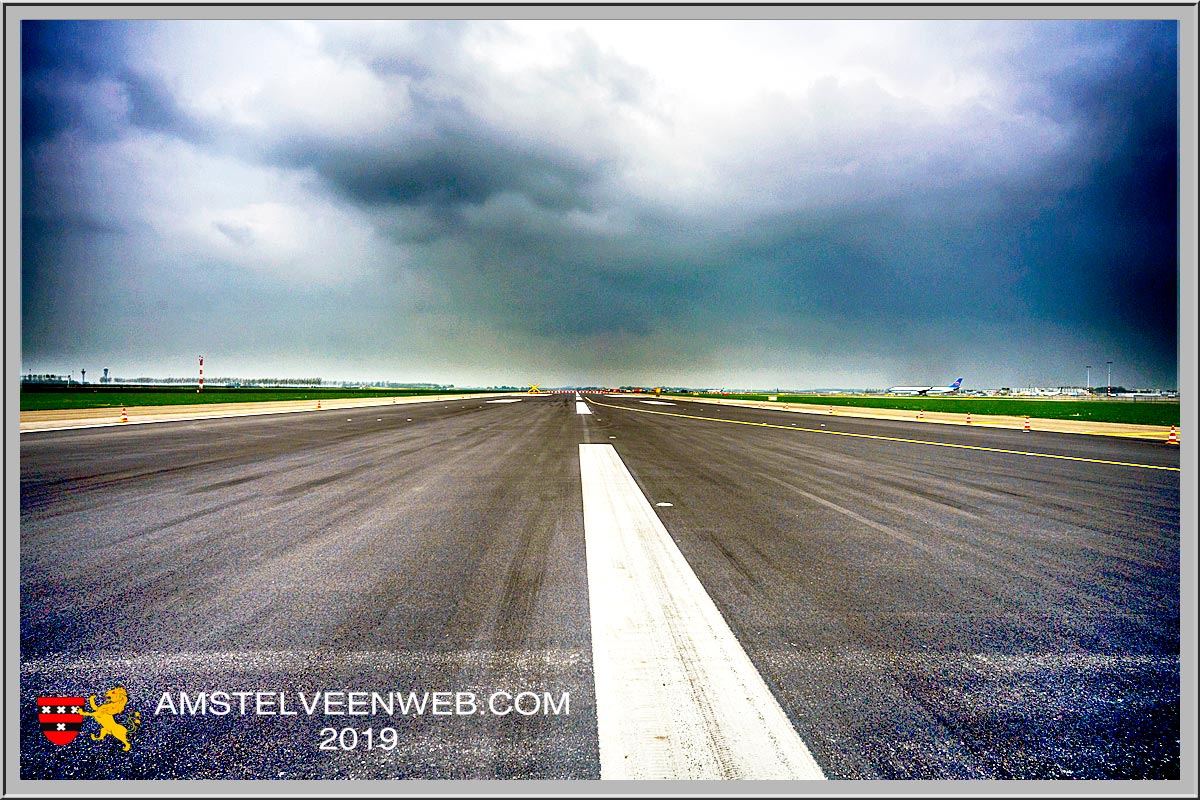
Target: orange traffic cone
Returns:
[968, 417]
[124, 416]
[831, 409]
[920, 413]
[1173, 439]
[1027, 423]
[318, 405]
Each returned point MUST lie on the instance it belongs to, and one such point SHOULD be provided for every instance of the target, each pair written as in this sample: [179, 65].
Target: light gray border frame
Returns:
[1185, 14]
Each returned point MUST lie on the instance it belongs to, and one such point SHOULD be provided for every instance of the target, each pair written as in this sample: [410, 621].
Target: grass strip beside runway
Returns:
[1128, 411]
[62, 398]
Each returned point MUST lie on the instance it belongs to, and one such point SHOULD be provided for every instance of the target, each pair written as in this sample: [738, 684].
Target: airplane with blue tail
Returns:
[926, 390]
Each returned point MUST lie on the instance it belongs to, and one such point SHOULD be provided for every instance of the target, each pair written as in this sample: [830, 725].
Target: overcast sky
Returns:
[755, 204]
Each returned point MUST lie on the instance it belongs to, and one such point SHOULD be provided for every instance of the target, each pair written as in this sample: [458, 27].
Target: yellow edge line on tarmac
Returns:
[890, 438]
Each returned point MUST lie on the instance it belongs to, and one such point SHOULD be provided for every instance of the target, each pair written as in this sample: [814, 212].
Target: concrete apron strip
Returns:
[676, 695]
[1119, 429]
[70, 419]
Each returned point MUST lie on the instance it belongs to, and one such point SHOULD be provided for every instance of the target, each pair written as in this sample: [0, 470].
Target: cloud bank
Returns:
[793, 204]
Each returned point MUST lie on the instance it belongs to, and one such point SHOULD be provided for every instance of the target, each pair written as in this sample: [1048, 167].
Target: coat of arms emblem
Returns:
[61, 718]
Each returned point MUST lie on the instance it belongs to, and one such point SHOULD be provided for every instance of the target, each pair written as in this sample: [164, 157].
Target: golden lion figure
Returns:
[114, 704]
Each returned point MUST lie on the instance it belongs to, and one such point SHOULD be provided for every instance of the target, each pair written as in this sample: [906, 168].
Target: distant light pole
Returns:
[1089, 378]
[1108, 391]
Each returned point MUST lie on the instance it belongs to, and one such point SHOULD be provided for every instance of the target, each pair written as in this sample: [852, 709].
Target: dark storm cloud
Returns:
[931, 197]
[537, 272]
[66, 66]
[441, 153]
[56, 57]
[1088, 237]
[152, 106]
[1105, 251]
[450, 168]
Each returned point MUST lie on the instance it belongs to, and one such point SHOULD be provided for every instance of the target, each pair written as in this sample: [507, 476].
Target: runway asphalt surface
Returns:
[920, 601]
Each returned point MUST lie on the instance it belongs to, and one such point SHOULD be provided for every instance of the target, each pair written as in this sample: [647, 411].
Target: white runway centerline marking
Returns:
[507, 400]
[582, 407]
[676, 695]
[657, 403]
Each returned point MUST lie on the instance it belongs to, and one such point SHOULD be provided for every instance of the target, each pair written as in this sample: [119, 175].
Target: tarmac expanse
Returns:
[930, 602]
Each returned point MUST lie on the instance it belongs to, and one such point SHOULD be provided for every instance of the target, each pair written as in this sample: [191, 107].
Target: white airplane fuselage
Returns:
[926, 390]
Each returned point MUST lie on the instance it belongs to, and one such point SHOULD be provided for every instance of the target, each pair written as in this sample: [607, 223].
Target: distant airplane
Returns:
[924, 390]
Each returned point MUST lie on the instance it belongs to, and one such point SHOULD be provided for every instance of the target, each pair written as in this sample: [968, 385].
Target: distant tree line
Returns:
[258, 381]
[393, 385]
[232, 383]
[219, 381]
[45, 378]
[190, 381]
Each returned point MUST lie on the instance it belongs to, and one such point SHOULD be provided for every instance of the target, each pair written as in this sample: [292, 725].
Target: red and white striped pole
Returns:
[201, 389]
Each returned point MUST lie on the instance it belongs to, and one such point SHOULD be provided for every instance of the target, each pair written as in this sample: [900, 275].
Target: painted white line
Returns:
[508, 400]
[582, 408]
[676, 695]
[657, 403]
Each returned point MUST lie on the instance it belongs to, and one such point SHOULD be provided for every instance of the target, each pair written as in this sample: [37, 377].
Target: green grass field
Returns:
[1139, 412]
[55, 398]
[1123, 410]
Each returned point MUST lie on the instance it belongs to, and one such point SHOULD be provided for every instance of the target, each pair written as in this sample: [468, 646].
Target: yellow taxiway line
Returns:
[893, 438]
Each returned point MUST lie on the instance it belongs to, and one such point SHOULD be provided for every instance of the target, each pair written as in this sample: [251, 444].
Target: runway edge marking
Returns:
[901, 439]
[676, 695]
